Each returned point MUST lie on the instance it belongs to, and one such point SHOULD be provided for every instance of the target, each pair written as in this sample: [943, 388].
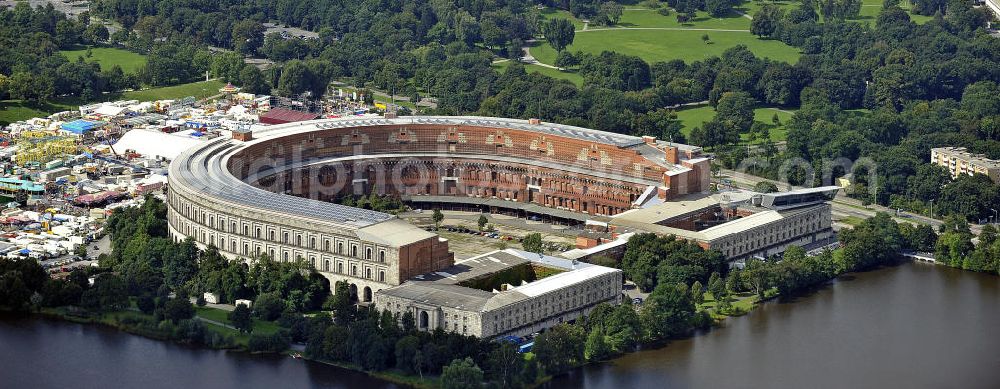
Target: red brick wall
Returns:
[486, 178]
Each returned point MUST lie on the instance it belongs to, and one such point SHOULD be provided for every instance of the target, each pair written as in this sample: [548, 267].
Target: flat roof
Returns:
[394, 232]
[588, 134]
[202, 169]
[750, 222]
[475, 267]
[669, 209]
[441, 294]
[282, 115]
[562, 280]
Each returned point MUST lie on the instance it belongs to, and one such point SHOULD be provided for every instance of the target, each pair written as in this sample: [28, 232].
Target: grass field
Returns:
[215, 314]
[16, 110]
[572, 76]
[695, 117]
[553, 13]
[649, 18]
[108, 57]
[655, 37]
[199, 90]
[664, 45]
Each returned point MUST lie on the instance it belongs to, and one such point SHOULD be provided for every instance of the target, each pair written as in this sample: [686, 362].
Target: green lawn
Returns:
[108, 57]
[651, 18]
[741, 304]
[553, 13]
[259, 326]
[572, 76]
[871, 8]
[199, 90]
[852, 221]
[16, 110]
[655, 37]
[695, 117]
[664, 45]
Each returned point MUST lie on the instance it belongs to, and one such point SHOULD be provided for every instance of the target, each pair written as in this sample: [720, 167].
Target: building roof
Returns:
[441, 295]
[155, 143]
[748, 223]
[281, 116]
[798, 197]
[562, 280]
[393, 232]
[81, 126]
[441, 287]
[110, 110]
[581, 133]
[203, 170]
[668, 210]
[14, 184]
[963, 153]
[475, 267]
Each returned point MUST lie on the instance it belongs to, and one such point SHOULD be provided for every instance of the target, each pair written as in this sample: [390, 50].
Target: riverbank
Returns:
[134, 322]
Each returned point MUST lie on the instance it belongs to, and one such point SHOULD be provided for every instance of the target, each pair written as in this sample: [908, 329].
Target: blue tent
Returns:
[24, 252]
[81, 126]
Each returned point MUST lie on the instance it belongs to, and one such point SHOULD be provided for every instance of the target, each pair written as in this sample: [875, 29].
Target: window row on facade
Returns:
[283, 235]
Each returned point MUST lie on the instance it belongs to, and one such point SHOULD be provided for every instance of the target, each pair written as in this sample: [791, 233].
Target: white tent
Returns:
[155, 144]
[110, 110]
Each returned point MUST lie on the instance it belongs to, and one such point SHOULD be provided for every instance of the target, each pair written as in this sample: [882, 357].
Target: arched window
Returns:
[326, 265]
[246, 231]
[354, 270]
[312, 243]
[270, 235]
[326, 245]
[381, 276]
[368, 273]
[233, 229]
[368, 253]
[284, 257]
[340, 268]
[256, 233]
[298, 239]
[284, 237]
[354, 250]
[381, 256]
[340, 247]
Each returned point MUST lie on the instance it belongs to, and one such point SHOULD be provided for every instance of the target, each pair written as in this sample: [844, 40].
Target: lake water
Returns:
[910, 326]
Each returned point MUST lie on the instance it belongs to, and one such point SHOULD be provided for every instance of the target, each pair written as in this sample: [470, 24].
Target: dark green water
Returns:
[910, 326]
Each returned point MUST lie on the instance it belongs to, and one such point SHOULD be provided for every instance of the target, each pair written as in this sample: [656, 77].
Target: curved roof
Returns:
[202, 171]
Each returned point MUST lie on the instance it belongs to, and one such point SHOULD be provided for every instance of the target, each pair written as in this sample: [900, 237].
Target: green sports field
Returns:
[108, 57]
